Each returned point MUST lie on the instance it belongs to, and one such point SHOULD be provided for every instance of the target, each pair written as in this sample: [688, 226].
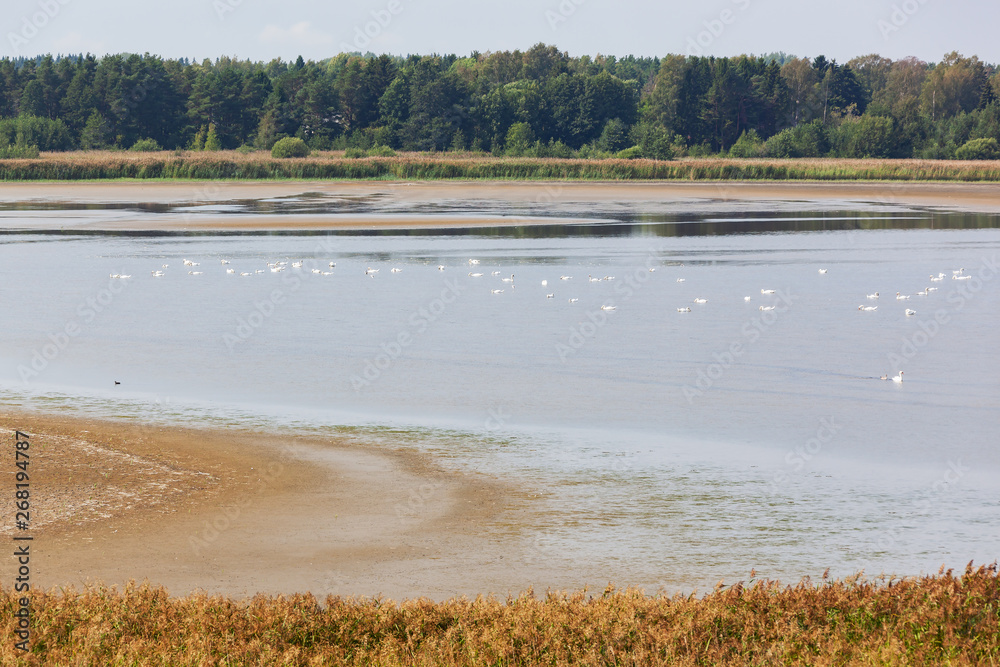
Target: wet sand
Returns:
[966, 197]
[238, 513]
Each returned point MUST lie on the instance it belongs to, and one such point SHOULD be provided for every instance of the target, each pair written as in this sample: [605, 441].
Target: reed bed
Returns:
[933, 620]
[233, 165]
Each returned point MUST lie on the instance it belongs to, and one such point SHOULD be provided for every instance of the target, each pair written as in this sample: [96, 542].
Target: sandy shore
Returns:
[239, 513]
[967, 197]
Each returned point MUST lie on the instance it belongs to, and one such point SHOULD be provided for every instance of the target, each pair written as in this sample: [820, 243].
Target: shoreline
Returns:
[402, 201]
[240, 512]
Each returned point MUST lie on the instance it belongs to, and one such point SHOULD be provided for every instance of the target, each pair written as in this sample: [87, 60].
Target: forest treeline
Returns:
[539, 102]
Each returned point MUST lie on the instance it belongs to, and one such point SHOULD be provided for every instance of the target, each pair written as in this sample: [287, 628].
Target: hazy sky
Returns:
[316, 29]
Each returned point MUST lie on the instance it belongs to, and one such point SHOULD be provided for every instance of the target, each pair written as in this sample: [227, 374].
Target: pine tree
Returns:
[267, 131]
[212, 140]
[96, 133]
[198, 143]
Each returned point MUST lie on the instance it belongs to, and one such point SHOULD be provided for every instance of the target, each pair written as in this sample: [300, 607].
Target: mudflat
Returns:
[238, 513]
[967, 197]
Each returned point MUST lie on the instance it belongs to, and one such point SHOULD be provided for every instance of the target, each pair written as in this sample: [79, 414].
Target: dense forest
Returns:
[540, 102]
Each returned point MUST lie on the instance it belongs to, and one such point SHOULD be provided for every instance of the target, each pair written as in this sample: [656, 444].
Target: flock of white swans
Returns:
[508, 281]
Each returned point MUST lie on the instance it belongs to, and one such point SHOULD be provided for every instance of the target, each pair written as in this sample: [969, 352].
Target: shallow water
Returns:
[667, 449]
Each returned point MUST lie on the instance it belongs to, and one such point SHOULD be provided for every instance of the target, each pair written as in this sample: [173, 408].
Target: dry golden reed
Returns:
[260, 166]
[935, 620]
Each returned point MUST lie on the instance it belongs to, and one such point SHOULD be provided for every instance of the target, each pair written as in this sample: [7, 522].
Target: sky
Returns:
[316, 29]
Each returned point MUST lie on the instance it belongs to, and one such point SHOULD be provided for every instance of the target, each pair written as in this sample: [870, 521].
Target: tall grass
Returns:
[943, 619]
[256, 166]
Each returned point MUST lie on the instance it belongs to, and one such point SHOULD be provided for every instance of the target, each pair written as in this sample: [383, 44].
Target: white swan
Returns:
[962, 277]
[765, 308]
[684, 310]
[246, 273]
[550, 296]
[609, 307]
[699, 300]
[317, 271]
[333, 265]
[370, 271]
[932, 289]
[224, 261]
[545, 283]
[495, 273]
[822, 270]
[910, 313]
[900, 297]
[476, 275]
[194, 273]
[873, 296]
[899, 378]
[440, 267]
[868, 308]
[230, 270]
[573, 300]
[508, 280]
[680, 280]
[157, 274]
[296, 265]
[473, 261]
[188, 262]
[565, 277]
[747, 299]
[592, 279]
[496, 291]
[924, 293]
[396, 269]
[937, 280]
[767, 291]
[958, 272]
[884, 377]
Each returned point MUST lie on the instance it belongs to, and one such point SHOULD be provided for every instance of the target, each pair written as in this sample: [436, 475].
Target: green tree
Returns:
[979, 149]
[614, 136]
[267, 131]
[212, 142]
[198, 142]
[96, 133]
[520, 139]
[33, 100]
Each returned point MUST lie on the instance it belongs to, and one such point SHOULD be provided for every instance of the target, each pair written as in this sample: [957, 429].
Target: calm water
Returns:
[667, 449]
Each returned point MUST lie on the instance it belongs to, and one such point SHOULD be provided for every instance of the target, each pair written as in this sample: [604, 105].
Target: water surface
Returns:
[666, 449]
